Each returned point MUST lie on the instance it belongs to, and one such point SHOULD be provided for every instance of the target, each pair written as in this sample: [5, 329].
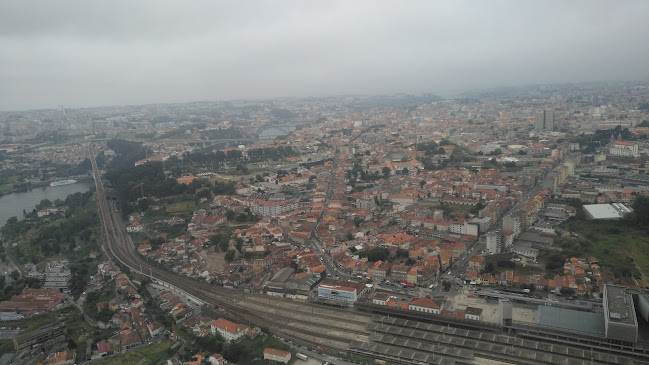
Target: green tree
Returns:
[358, 221]
[223, 245]
[402, 253]
[641, 210]
[45, 203]
[386, 171]
[446, 285]
[567, 291]
[238, 243]
[229, 255]
[378, 253]
[72, 344]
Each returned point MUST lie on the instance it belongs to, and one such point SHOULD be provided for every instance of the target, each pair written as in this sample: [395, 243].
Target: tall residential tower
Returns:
[545, 121]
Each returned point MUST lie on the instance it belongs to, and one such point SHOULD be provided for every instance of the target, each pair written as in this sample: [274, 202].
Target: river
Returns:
[14, 203]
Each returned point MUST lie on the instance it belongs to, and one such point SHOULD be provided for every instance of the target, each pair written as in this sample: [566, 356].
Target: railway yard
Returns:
[438, 344]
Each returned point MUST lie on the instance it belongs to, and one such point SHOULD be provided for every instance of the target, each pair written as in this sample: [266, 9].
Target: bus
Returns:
[407, 284]
[301, 356]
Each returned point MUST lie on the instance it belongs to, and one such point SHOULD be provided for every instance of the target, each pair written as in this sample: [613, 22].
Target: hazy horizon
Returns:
[96, 54]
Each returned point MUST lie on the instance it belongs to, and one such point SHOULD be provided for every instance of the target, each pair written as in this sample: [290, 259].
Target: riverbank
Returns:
[13, 204]
[22, 189]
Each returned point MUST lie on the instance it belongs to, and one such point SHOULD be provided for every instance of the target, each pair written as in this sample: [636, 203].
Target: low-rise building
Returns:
[344, 293]
[230, 331]
[277, 355]
[424, 305]
[380, 298]
[33, 301]
[473, 313]
[59, 358]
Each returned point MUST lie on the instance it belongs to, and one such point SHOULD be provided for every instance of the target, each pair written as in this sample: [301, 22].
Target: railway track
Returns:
[312, 309]
[504, 347]
[121, 247]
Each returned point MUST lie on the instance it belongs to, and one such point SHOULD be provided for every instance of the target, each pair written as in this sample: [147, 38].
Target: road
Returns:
[6, 267]
[314, 242]
[314, 355]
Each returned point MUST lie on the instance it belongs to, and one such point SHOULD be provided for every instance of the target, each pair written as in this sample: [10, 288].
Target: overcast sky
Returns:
[94, 53]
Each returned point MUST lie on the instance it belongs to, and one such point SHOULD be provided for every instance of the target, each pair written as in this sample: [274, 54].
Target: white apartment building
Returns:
[273, 208]
[494, 242]
[57, 275]
[464, 228]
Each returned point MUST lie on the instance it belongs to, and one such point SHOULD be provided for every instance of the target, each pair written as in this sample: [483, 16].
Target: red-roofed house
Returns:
[424, 305]
[277, 355]
[228, 330]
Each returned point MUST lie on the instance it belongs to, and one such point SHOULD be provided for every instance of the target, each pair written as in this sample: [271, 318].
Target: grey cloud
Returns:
[124, 52]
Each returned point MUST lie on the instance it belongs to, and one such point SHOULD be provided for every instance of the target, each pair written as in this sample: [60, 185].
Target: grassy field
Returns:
[6, 346]
[34, 322]
[8, 185]
[149, 355]
[622, 248]
[179, 208]
[456, 210]
[6, 188]
[138, 237]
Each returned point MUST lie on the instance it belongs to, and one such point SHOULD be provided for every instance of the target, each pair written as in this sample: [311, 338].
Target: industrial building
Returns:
[45, 336]
[620, 321]
[574, 321]
[606, 211]
[285, 284]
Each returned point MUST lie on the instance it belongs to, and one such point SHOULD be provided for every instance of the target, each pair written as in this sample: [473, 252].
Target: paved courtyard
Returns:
[460, 301]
